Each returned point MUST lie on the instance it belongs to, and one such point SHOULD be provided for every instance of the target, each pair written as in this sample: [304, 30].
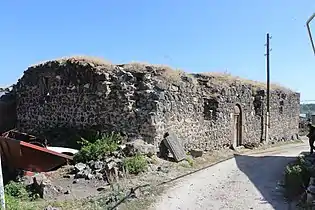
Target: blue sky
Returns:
[196, 36]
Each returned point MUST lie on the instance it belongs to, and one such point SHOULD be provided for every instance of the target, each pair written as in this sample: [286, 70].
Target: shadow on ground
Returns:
[266, 174]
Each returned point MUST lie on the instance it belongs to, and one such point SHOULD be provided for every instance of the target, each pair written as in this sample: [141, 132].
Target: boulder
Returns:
[139, 146]
[83, 171]
[96, 165]
[80, 166]
[196, 153]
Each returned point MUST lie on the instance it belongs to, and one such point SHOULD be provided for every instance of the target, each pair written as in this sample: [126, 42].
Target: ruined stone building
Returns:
[7, 111]
[206, 111]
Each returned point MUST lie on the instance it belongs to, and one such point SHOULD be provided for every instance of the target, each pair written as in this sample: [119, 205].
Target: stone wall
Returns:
[147, 101]
[184, 111]
[77, 94]
[7, 111]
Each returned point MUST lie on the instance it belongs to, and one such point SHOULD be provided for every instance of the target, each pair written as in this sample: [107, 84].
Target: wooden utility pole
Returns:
[267, 121]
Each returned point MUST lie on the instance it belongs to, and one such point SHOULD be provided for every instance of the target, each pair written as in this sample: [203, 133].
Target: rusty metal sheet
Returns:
[22, 155]
[173, 144]
[14, 134]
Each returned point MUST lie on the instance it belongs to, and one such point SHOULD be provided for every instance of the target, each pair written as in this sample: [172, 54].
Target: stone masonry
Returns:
[147, 101]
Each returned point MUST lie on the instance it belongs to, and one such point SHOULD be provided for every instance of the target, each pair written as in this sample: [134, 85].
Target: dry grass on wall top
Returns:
[228, 78]
[80, 59]
[106, 66]
[166, 72]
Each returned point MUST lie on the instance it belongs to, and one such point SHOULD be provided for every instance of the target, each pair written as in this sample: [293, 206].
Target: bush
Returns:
[12, 203]
[16, 190]
[98, 149]
[135, 164]
[297, 176]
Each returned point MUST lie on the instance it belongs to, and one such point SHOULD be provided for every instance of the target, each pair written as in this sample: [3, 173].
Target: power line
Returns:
[309, 31]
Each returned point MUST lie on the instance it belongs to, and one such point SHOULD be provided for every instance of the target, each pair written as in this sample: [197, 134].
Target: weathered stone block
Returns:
[139, 146]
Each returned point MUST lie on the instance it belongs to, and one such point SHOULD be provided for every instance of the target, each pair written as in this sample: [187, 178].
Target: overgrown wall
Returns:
[146, 101]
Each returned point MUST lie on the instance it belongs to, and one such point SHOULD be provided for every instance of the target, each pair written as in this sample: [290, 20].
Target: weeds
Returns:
[98, 149]
[190, 161]
[16, 190]
[16, 194]
[135, 164]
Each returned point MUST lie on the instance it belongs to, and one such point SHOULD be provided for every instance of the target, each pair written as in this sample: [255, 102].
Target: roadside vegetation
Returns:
[137, 170]
[297, 179]
[297, 176]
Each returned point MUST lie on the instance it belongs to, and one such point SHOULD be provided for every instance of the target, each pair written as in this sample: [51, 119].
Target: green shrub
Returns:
[98, 149]
[297, 176]
[16, 190]
[135, 164]
[12, 203]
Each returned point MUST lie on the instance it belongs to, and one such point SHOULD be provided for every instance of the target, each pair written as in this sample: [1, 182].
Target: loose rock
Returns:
[139, 146]
[52, 208]
[96, 165]
[196, 153]
[80, 167]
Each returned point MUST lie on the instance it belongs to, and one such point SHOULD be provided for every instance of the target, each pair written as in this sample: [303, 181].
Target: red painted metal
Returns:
[29, 157]
[14, 134]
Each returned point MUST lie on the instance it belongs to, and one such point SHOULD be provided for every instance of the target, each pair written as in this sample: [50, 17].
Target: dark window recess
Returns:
[258, 106]
[283, 96]
[281, 107]
[210, 109]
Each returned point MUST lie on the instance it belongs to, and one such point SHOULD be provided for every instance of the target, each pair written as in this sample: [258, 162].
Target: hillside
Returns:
[307, 108]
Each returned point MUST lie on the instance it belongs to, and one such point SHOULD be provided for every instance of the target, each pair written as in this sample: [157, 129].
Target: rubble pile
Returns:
[112, 167]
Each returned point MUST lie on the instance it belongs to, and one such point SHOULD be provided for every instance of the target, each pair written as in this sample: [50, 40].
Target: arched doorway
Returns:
[237, 126]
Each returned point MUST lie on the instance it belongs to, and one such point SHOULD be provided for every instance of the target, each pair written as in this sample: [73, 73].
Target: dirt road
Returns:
[244, 182]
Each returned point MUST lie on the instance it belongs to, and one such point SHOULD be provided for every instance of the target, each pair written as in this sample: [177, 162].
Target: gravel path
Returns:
[244, 182]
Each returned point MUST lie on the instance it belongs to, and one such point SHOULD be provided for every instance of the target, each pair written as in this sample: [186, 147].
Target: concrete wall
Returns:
[146, 101]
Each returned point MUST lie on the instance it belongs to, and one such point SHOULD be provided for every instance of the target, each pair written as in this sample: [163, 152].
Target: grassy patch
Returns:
[18, 196]
[135, 164]
[98, 149]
